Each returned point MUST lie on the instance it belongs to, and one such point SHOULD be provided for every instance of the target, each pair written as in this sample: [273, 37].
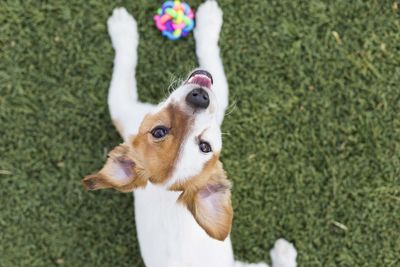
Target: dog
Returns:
[170, 155]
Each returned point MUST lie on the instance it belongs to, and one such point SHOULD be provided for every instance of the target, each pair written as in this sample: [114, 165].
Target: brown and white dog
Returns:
[170, 155]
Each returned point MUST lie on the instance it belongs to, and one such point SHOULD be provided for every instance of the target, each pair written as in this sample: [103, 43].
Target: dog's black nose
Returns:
[198, 98]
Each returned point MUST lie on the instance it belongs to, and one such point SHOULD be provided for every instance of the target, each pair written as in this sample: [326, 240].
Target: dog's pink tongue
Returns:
[201, 80]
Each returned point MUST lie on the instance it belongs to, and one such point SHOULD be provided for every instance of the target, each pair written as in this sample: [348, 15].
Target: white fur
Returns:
[206, 33]
[168, 234]
[123, 103]
[283, 254]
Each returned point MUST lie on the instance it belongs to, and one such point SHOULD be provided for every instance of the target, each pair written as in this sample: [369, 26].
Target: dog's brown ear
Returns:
[119, 172]
[211, 207]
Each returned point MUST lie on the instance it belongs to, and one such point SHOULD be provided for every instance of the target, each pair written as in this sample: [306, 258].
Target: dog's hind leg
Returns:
[206, 33]
[126, 111]
[283, 254]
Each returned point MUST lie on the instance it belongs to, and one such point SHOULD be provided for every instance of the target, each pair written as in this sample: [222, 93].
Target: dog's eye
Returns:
[205, 147]
[159, 132]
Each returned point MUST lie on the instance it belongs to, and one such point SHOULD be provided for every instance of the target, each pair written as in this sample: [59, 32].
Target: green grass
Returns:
[312, 145]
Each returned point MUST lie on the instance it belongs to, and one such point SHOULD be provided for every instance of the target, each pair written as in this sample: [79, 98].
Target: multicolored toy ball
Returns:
[175, 19]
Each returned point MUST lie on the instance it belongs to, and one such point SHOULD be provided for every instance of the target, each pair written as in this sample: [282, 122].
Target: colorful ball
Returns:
[175, 19]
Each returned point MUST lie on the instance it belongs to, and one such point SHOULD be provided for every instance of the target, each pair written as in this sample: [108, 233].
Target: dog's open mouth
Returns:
[201, 77]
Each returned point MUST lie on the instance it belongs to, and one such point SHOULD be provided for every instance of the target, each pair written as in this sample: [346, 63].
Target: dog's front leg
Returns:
[206, 33]
[125, 109]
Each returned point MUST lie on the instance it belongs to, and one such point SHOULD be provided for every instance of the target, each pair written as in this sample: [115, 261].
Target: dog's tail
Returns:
[283, 254]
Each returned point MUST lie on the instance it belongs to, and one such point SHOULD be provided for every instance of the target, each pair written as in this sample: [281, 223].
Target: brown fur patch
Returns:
[157, 158]
[105, 177]
[153, 159]
[211, 182]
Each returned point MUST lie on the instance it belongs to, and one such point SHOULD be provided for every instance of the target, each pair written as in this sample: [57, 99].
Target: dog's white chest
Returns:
[170, 237]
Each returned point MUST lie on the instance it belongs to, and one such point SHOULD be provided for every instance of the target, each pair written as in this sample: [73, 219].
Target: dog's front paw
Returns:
[283, 254]
[208, 22]
[123, 31]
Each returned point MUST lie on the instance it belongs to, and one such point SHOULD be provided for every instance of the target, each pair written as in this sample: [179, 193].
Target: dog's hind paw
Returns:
[283, 254]
[208, 21]
[122, 29]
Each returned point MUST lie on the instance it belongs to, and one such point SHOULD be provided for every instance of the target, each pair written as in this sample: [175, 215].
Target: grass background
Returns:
[312, 145]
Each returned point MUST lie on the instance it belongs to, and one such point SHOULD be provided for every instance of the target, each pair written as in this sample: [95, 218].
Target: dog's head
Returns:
[177, 146]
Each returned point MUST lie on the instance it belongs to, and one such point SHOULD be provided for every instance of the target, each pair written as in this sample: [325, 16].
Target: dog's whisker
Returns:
[174, 83]
[231, 108]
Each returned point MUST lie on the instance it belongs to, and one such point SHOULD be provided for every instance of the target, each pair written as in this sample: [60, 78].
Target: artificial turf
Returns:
[312, 140]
